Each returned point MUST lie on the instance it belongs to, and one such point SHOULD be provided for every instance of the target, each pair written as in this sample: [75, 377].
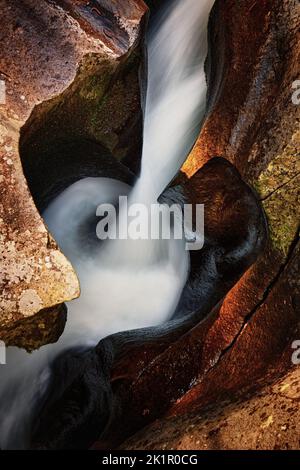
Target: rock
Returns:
[252, 121]
[70, 72]
[235, 233]
[266, 420]
[136, 369]
[154, 5]
[185, 369]
[81, 403]
[251, 68]
[43, 330]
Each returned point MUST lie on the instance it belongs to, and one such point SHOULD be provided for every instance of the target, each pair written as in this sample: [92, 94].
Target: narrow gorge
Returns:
[177, 102]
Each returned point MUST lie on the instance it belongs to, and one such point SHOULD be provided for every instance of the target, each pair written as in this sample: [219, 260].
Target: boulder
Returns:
[70, 76]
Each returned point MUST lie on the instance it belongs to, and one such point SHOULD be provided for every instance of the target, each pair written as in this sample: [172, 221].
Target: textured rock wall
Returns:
[61, 54]
[267, 420]
[182, 368]
[251, 120]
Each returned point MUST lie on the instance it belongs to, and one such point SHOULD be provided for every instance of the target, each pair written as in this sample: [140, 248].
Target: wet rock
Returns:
[252, 121]
[71, 161]
[155, 5]
[71, 71]
[245, 342]
[142, 364]
[251, 68]
[235, 232]
[80, 398]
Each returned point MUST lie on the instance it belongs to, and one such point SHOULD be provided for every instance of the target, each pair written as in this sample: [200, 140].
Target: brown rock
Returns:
[267, 420]
[66, 67]
[252, 64]
[246, 342]
[251, 121]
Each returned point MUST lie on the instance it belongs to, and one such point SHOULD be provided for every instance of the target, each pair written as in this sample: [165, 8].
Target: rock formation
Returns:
[253, 122]
[81, 80]
[264, 420]
[71, 71]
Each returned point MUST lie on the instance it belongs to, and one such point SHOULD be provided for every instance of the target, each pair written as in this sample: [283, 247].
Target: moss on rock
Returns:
[278, 187]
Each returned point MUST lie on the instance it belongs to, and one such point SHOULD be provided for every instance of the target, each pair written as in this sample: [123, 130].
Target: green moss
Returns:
[94, 87]
[283, 212]
[279, 186]
[282, 169]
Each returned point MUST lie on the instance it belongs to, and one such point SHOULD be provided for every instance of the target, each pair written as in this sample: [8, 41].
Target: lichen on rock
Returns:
[65, 63]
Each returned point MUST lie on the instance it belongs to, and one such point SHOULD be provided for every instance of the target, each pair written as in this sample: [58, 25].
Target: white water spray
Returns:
[124, 284]
[176, 94]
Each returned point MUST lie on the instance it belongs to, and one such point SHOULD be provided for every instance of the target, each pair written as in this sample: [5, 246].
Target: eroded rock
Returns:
[267, 420]
[137, 375]
[246, 341]
[252, 121]
[66, 66]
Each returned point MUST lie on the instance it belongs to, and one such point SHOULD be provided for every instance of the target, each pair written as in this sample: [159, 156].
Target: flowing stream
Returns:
[125, 284]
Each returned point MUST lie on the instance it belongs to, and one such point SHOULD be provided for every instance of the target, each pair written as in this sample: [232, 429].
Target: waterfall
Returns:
[176, 95]
[125, 284]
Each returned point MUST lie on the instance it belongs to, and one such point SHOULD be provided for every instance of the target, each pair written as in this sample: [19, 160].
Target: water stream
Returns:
[125, 284]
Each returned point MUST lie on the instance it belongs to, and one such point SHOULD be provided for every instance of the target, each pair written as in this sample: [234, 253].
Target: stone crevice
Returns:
[293, 248]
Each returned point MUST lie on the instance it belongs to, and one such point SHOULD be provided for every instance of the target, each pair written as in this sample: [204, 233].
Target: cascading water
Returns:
[125, 284]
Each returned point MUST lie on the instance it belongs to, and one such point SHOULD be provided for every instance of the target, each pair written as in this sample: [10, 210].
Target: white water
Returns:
[124, 284]
[176, 92]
